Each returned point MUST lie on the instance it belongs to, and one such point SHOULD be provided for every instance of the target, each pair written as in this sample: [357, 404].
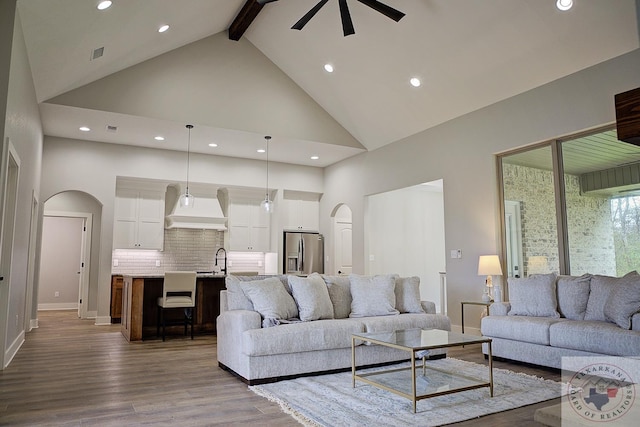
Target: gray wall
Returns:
[462, 152]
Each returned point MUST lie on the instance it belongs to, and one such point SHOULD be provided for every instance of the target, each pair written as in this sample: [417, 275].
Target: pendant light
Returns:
[267, 204]
[186, 199]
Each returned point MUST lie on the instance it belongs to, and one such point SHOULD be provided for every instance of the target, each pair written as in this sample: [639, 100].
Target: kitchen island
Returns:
[140, 293]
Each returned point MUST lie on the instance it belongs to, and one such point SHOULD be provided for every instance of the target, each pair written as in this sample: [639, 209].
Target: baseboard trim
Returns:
[103, 320]
[13, 349]
[58, 306]
[92, 314]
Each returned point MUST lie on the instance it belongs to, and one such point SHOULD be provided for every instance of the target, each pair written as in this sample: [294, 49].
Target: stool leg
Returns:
[163, 323]
[158, 322]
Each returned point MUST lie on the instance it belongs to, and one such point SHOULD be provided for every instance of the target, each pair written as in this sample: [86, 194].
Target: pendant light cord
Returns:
[188, 155]
[266, 190]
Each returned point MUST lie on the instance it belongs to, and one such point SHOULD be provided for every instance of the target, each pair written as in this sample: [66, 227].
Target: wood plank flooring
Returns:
[70, 372]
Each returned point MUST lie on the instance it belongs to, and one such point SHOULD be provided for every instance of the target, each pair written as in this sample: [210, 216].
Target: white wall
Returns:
[22, 126]
[462, 152]
[92, 168]
[405, 235]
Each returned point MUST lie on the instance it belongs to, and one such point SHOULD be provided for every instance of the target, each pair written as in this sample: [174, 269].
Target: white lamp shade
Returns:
[489, 265]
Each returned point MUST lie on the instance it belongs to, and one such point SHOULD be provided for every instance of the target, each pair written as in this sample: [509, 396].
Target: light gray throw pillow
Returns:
[601, 287]
[339, 288]
[236, 299]
[533, 296]
[373, 295]
[573, 295]
[270, 298]
[312, 297]
[623, 301]
[408, 295]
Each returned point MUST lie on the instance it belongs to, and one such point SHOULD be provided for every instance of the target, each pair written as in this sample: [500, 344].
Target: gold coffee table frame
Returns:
[413, 341]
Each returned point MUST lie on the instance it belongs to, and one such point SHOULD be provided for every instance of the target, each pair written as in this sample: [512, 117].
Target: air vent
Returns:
[112, 128]
[97, 53]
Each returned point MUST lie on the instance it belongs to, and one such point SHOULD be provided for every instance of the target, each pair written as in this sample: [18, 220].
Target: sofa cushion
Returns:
[236, 299]
[533, 296]
[519, 328]
[270, 298]
[405, 321]
[300, 337]
[601, 287]
[596, 337]
[373, 295]
[623, 302]
[312, 297]
[408, 295]
[340, 294]
[573, 295]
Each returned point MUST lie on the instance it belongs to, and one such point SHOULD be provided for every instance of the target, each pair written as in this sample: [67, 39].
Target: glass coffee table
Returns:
[430, 382]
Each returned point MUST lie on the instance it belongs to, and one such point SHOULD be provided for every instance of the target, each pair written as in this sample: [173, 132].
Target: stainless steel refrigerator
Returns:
[303, 253]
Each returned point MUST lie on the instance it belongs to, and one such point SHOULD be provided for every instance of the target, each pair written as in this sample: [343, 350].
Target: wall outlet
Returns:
[56, 294]
[115, 262]
[230, 263]
[372, 257]
[157, 263]
[259, 263]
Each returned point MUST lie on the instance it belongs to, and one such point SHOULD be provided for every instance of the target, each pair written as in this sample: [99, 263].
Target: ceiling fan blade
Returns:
[387, 11]
[307, 17]
[264, 1]
[347, 23]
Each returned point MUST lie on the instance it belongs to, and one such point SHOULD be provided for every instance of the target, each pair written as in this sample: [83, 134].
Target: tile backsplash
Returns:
[185, 250]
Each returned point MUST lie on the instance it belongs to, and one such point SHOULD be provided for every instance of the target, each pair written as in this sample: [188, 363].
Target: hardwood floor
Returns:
[70, 372]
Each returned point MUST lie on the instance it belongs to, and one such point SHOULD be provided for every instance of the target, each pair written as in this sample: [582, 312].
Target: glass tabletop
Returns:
[422, 339]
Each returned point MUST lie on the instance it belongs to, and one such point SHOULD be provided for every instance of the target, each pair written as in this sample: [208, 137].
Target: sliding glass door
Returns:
[572, 207]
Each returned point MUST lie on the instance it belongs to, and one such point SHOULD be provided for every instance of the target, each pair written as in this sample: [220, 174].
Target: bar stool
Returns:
[178, 291]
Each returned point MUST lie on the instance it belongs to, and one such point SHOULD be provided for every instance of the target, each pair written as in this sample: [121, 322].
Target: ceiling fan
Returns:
[347, 23]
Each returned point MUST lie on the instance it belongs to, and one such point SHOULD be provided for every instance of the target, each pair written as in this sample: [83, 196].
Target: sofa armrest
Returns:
[635, 322]
[235, 322]
[224, 302]
[499, 309]
[429, 307]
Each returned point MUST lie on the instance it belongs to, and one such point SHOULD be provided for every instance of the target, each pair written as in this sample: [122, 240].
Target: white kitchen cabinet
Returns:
[138, 219]
[248, 226]
[302, 213]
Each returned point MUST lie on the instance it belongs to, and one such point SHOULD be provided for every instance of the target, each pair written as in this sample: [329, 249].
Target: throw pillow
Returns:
[408, 295]
[312, 297]
[601, 287]
[623, 301]
[573, 295]
[236, 299]
[533, 296]
[372, 295]
[339, 288]
[270, 298]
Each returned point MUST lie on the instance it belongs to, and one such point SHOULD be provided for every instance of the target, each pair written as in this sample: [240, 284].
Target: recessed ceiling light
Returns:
[564, 4]
[159, 138]
[85, 129]
[315, 157]
[415, 82]
[104, 5]
[164, 28]
[328, 68]
[261, 150]
[213, 144]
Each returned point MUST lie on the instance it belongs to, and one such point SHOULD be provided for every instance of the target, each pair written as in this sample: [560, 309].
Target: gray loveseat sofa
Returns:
[272, 328]
[550, 317]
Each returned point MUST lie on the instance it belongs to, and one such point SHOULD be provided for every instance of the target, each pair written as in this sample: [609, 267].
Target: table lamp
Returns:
[489, 265]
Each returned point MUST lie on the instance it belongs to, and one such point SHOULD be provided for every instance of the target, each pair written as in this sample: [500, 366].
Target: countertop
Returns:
[161, 276]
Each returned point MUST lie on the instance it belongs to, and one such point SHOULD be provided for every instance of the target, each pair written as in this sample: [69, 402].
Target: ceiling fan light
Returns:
[564, 4]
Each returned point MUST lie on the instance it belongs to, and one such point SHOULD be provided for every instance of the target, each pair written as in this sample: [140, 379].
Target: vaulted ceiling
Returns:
[468, 54]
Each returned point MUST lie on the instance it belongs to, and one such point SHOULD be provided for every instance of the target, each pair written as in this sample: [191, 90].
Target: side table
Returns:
[463, 303]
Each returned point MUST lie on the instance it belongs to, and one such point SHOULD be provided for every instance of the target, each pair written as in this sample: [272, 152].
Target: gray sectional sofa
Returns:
[550, 317]
[272, 328]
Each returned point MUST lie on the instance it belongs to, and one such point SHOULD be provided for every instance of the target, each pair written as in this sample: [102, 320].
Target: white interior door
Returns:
[61, 263]
[343, 241]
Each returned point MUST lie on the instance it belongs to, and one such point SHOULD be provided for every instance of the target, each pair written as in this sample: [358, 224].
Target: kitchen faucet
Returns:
[223, 270]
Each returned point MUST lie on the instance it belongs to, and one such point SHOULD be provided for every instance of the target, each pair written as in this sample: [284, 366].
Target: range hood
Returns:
[206, 213]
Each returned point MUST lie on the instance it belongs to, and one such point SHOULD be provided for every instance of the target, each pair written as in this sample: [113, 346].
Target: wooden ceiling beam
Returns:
[243, 20]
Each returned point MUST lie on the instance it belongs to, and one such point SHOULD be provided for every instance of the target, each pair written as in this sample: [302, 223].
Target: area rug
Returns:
[330, 400]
